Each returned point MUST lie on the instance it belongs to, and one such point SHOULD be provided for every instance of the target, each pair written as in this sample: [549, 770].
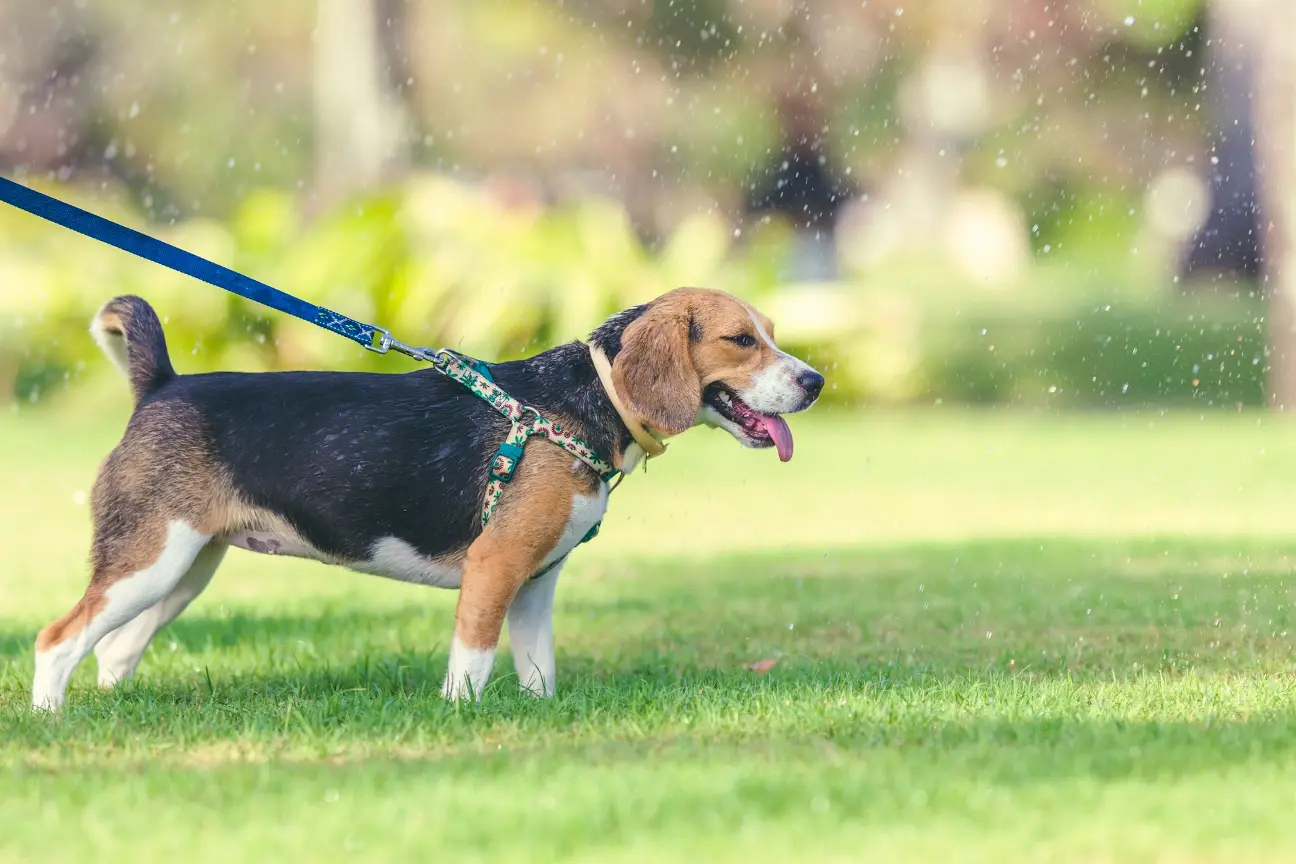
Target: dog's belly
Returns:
[389, 556]
[276, 543]
[395, 558]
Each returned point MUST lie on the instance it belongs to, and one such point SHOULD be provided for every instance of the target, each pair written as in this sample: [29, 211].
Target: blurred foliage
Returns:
[441, 262]
[437, 261]
[1024, 176]
[669, 105]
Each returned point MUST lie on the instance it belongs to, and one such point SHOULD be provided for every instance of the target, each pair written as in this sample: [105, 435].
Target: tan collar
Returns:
[650, 445]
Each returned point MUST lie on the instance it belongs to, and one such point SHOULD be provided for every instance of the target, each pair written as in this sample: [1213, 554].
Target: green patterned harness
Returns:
[525, 422]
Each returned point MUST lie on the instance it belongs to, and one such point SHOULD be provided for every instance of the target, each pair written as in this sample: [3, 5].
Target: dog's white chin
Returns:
[712, 419]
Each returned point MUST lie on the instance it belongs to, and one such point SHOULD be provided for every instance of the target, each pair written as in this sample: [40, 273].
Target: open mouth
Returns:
[761, 430]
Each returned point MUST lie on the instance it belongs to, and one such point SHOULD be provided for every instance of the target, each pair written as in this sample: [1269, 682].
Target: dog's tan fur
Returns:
[660, 371]
[516, 542]
[158, 473]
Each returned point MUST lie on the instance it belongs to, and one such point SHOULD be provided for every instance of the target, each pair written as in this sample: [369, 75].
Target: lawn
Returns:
[998, 637]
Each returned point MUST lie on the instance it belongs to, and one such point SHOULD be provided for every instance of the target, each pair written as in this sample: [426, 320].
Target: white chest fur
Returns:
[586, 511]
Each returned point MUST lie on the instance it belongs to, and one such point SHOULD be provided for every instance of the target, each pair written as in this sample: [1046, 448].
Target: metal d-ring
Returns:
[385, 340]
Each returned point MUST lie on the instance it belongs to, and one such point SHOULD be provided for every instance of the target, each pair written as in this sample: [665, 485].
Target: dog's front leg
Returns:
[524, 530]
[531, 632]
[491, 577]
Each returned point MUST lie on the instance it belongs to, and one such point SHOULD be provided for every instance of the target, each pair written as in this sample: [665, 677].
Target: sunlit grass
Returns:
[997, 636]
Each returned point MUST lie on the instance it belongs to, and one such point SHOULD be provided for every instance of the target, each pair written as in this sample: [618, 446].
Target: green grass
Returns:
[999, 637]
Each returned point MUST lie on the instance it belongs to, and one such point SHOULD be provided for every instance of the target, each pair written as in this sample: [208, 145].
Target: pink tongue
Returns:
[778, 430]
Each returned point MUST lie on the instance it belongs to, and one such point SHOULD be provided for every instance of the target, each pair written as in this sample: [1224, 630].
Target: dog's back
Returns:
[314, 448]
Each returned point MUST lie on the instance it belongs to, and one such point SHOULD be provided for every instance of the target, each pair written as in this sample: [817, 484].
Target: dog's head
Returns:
[700, 356]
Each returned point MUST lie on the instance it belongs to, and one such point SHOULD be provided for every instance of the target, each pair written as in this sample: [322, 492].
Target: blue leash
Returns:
[152, 249]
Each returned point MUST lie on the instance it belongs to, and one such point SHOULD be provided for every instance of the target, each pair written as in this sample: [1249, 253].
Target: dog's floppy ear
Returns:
[653, 372]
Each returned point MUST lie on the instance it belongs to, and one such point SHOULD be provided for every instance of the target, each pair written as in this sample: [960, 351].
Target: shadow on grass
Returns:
[1035, 607]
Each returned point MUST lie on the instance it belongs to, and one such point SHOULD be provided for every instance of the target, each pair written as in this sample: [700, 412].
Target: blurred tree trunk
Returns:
[1228, 244]
[1275, 120]
[361, 137]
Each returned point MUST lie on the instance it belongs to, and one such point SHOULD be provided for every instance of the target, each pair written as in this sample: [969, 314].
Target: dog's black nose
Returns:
[811, 382]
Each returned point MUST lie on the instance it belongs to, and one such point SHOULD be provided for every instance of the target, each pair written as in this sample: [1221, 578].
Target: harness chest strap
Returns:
[476, 376]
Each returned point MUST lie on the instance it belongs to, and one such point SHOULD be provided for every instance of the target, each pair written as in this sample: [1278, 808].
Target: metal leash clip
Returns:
[386, 343]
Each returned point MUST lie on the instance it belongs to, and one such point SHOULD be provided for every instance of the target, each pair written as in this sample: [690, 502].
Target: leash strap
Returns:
[152, 249]
[473, 374]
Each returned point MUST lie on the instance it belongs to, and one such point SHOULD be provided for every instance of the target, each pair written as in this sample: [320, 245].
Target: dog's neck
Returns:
[563, 383]
[606, 341]
[647, 443]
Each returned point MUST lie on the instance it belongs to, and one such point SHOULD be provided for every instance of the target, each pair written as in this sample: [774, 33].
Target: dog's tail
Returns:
[129, 332]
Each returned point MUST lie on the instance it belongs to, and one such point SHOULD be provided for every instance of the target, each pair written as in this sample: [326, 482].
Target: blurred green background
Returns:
[1022, 202]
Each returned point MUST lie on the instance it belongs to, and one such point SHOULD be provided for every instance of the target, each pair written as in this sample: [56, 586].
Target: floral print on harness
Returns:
[502, 465]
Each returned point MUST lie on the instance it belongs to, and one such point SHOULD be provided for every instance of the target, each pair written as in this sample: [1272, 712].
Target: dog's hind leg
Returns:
[119, 653]
[137, 570]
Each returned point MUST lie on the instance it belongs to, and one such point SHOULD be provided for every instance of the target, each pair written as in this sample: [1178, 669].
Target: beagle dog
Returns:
[385, 474]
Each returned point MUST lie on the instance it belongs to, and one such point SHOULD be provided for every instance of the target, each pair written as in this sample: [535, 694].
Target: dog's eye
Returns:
[742, 340]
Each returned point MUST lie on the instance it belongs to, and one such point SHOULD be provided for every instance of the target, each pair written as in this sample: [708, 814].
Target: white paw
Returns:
[470, 669]
[109, 679]
[537, 687]
[459, 689]
[46, 702]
